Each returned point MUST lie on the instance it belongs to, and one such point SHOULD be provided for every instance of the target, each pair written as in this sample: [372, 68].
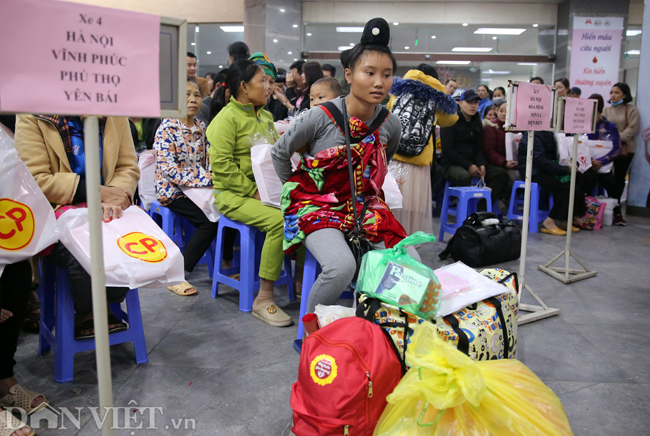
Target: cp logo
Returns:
[143, 247]
[323, 369]
[16, 225]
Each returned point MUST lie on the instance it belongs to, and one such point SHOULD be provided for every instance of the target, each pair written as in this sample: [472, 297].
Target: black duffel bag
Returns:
[477, 245]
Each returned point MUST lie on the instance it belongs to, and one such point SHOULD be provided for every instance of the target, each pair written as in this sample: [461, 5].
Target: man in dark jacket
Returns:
[462, 150]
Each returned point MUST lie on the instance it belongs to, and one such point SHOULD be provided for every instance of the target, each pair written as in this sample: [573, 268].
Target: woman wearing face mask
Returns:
[317, 203]
[498, 96]
[626, 117]
[563, 86]
[235, 191]
[494, 146]
[484, 102]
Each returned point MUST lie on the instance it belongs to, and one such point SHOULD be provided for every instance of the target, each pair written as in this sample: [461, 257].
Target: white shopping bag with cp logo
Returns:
[137, 253]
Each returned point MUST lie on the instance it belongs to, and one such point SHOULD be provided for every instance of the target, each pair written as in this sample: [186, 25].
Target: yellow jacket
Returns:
[442, 119]
[40, 146]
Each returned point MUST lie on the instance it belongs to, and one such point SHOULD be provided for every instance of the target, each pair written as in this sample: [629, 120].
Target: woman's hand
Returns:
[111, 211]
[113, 195]
[512, 164]
[596, 165]
[256, 196]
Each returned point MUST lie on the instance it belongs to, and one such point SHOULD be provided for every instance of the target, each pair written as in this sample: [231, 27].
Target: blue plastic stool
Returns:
[170, 223]
[57, 310]
[537, 214]
[251, 241]
[468, 198]
[310, 274]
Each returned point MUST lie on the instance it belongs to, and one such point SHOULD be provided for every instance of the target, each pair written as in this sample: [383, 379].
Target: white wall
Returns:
[194, 11]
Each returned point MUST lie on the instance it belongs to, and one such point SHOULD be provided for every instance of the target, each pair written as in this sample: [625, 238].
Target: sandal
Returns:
[89, 324]
[273, 316]
[182, 288]
[32, 322]
[119, 325]
[22, 398]
[9, 424]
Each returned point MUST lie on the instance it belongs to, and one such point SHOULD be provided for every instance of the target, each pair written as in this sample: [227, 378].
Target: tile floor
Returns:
[213, 370]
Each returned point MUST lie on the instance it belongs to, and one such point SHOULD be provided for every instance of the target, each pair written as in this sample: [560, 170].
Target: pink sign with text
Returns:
[73, 59]
[578, 115]
[534, 106]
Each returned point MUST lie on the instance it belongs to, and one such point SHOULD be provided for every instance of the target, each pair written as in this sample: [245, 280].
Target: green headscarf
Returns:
[263, 61]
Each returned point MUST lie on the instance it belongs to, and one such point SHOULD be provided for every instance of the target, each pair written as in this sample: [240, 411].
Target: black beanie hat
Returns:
[376, 32]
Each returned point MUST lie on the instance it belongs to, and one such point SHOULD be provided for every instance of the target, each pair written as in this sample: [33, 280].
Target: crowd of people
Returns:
[210, 148]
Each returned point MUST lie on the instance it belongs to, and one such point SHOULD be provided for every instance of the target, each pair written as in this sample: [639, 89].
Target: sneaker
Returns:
[618, 220]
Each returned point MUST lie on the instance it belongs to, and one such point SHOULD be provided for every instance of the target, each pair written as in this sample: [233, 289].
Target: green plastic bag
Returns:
[396, 278]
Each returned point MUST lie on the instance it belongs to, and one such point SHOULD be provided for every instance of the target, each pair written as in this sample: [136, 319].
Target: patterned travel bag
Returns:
[477, 330]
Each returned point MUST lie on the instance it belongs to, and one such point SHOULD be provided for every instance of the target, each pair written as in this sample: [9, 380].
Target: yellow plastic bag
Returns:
[445, 393]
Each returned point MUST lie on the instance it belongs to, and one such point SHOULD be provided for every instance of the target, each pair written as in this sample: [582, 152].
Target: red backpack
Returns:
[347, 369]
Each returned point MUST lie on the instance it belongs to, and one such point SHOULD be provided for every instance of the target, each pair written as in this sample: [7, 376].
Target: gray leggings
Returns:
[333, 254]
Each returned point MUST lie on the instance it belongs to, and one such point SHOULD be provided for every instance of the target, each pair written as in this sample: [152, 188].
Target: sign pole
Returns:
[569, 222]
[94, 200]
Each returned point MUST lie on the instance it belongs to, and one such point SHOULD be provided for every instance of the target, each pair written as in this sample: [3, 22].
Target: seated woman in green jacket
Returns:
[235, 191]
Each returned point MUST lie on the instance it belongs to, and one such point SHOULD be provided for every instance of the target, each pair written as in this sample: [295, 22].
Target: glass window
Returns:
[209, 42]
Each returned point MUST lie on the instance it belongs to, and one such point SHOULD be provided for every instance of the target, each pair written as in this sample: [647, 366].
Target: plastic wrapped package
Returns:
[392, 194]
[204, 199]
[147, 181]
[27, 222]
[462, 286]
[329, 314]
[137, 253]
[565, 151]
[445, 393]
[396, 278]
[512, 145]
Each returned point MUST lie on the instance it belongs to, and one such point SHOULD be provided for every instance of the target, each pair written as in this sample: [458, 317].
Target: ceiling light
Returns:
[220, 66]
[406, 48]
[473, 49]
[194, 43]
[498, 31]
[495, 38]
[433, 36]
[453, 62]
[208, 52]
[633, 52]
[349, 29]
[633, 32]
[289, 52]
[396, 24]
[281, 10]
[535, 25]
[527, 63]
[295, 25]
[491, 71]
[352, 44]
[487, 79]
[465, 24]
[344, 47]
[196, 29]
[295, 60]
[275, 40]
[232, 28]
[309, 34]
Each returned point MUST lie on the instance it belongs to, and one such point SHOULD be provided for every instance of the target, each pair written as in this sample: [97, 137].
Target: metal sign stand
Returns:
[542, 311]
[98, 280]
[566, 274]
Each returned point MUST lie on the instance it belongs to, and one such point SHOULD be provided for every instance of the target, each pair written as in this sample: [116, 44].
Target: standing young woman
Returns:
[235, 193]
[626, 117]
[316, 200]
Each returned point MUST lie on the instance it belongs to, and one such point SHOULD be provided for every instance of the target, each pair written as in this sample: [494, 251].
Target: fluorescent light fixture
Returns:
[349, 29]
[309, 34]
[498, 31]
[209, 52]
[527, 63]
[289, 52]
[196, 29]
[194, 43]
[633, 52]
[275, 40]
[220, 66]
[535, 25]
[230, 29]
[473, 49]
[465, 24]
[633, 32]
[295, 60]
[344, 47]
[352, 44]
[281, 10]
[491, 71]
[396, 24]
[433, 36]
[487, 79]
[295, 25]
[406, 48]
[453, 62]
[495, 38]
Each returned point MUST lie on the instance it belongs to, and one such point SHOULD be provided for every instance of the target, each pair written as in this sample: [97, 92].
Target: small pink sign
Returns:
[534, 106]
[72, 59]
[578, 115]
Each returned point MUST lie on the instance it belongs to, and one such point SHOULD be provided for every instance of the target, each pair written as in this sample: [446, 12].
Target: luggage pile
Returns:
[414, 359]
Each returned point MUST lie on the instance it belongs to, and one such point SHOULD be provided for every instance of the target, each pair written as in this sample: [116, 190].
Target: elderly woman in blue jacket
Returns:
[555, 179]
